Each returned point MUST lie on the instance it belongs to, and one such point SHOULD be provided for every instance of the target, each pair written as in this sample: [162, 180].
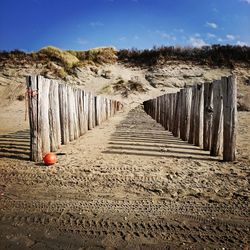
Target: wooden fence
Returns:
[59, 113]
[204, 115]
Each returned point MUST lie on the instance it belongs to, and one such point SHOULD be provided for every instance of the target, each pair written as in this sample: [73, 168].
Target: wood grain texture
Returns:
[54, 117]
[64, 117]
[176, 129]
[229, 92]
[208, 115]
[192, 115]
[43, 115]
[32, 91]
[199, 116]
[217, 128]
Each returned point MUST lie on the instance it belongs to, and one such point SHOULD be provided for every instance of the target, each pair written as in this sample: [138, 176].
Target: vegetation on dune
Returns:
[96, 56]
[61, 63]
[68, 60]
[124, 87]
[215, 55]
[57, 62]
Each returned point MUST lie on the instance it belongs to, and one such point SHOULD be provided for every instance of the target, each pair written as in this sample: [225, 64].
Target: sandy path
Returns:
[127, 184]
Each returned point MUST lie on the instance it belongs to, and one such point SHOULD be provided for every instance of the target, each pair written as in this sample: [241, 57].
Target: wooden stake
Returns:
[217, 127]
[43, 116]
[176, 129]
[208, 115]
[230, 117]
[199, 116]
[32, 92]
[54, 117]
[192, 115]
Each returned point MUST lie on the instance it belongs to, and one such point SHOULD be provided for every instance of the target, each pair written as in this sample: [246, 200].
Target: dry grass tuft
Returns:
[67, 59]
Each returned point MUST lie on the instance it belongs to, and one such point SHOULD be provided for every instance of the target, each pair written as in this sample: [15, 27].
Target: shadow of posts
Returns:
[138, 134]
[15, 145]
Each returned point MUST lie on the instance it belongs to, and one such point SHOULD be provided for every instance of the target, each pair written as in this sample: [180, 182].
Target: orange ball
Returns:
[49, 159]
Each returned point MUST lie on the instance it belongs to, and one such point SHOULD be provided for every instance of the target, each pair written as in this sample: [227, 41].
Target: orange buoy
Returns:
[49, 159]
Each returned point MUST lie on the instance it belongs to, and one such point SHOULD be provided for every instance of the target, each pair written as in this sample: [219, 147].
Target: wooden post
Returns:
[54, 117]
[208, 115]
[71, 113]
[107, 108]
[216, 140]
[97, 110]
[158, 109]
[81, 117]
[93, 110]
[32, 91]
[167, 112]
[230, 117]
[187, 114]
[102, 107]
[76, 115]
[182, 114]
[43, 116]
[176, 129]
[162, 110]
[90, 111]
[171, 112]
[155, 108]
[192, 115]
[86, 110]
[64, 117]
[199, 116]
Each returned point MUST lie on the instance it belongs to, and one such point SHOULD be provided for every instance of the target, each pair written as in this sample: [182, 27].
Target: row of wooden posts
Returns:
[204, 115]
[59, 113]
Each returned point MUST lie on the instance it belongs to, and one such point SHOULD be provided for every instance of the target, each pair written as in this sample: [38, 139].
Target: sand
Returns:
[127, 184]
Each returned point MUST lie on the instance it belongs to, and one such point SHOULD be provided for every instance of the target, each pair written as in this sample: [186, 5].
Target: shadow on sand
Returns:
[138, 134]
[15, 145]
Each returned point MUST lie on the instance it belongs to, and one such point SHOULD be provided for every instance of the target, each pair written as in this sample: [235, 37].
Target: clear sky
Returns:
[82, 24]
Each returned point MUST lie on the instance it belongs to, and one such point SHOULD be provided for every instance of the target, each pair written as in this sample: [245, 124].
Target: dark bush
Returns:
[215, 55]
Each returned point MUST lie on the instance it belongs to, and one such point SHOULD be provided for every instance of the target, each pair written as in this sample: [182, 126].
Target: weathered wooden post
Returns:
[158, 109]
[217, 127]
[64, 117]
[43, 115]
[54, 117]
[170, 112]
[90, 111]
[76, 115]
[199, 116]
[97, 110]
[155, 109]
[172, 101]
[161, 110]
[192, 115]
[32, 92]
[81, 112]
[167, 112]
[208, 115]
[182, 114]
[229, 94]
[71, 113]
[164, 100]
[188, 94]
[93, 111]
[176, 129]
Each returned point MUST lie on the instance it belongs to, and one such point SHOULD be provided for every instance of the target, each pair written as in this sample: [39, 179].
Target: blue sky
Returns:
[82, 24]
